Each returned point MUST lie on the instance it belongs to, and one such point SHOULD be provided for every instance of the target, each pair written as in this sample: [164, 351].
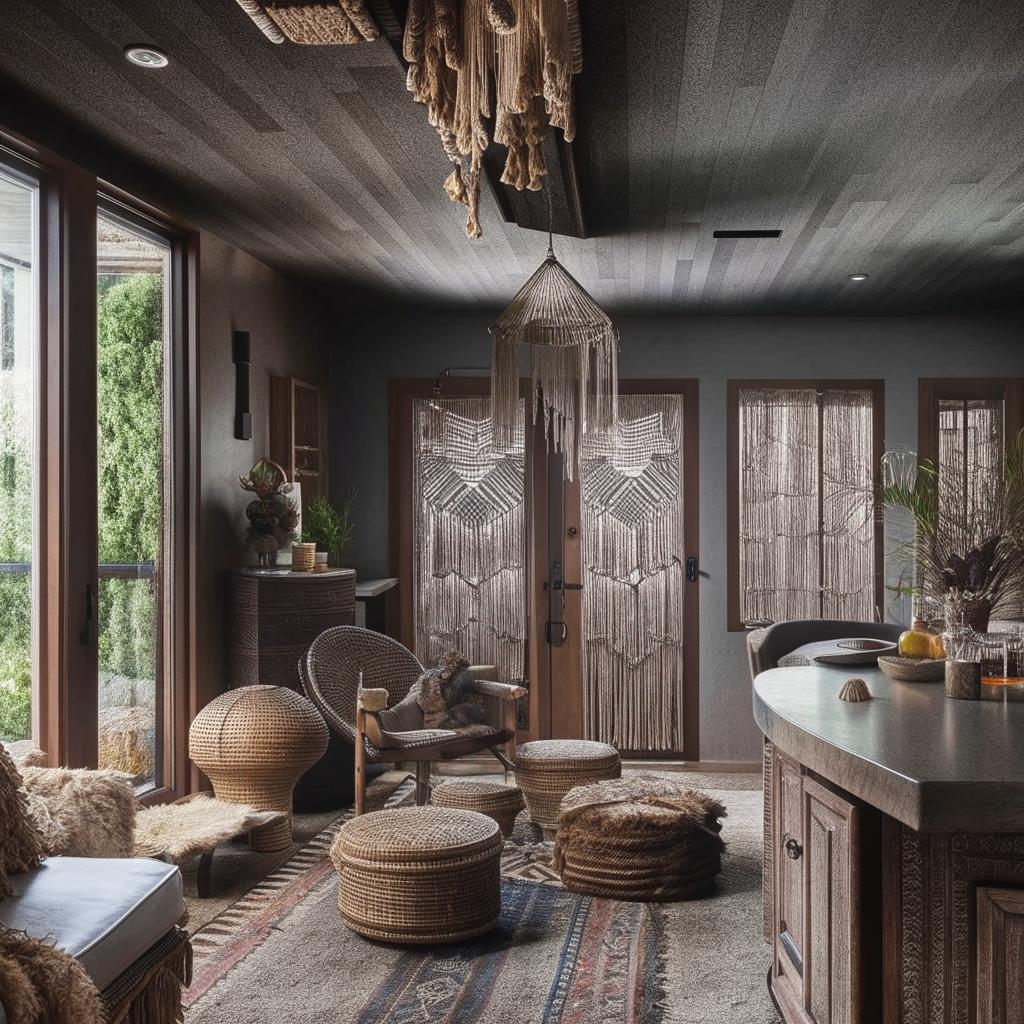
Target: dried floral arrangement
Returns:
[966, 554]
[272, 513]
[514, 60]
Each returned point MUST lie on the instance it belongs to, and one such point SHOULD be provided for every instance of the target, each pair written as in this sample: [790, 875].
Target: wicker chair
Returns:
[383, 719]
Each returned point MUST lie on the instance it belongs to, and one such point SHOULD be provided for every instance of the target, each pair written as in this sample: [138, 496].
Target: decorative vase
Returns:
[303, 557]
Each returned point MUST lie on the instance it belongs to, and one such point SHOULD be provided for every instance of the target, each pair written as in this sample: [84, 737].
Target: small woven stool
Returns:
[547, 769]
[497, 801]
[253, 743]
[419, 875]
[641, 838]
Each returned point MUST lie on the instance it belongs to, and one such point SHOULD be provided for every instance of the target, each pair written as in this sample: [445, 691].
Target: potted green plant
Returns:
[966, 552]
[329, 528]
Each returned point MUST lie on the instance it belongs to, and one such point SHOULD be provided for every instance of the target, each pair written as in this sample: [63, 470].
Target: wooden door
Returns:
[618, 564]
[1000, 976]
[831, 968]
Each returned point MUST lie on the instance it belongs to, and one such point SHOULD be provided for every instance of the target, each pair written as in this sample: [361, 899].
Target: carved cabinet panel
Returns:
[1000, 971]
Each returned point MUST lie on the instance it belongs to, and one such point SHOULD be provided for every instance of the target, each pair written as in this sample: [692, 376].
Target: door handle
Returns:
[85, 634]
[550, 636]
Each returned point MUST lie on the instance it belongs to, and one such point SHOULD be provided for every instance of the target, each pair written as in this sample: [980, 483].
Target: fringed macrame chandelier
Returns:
[574, 374]
[513, 59]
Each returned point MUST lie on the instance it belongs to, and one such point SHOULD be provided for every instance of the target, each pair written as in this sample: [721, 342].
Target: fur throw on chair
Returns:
[446, 697]
[81, 812]
[43, 985]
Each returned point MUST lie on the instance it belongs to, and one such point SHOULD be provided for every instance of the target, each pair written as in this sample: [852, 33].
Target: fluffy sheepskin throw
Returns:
[21, 846]
[82, 813]
[641, 837]
[178, 832]
[43, 985]
[446, 695]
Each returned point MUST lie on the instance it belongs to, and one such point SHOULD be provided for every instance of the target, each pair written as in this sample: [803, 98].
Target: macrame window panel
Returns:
[970, 463]
[806, 504]
[469, 536]
[631, 486]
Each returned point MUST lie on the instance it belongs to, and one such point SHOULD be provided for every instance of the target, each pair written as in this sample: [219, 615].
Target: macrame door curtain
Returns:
[470, 521]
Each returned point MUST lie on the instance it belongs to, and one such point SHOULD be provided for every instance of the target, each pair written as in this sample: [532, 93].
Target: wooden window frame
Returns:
[932, 390]
[733, 387]
[64, 712]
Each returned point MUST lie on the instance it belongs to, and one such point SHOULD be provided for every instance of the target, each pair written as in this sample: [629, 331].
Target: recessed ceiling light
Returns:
[145, 56]
[858, 277]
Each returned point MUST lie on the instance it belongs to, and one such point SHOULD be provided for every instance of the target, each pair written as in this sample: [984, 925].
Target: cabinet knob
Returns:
[792, 847]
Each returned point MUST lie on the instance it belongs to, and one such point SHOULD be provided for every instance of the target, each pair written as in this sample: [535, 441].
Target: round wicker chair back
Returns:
[332, 665]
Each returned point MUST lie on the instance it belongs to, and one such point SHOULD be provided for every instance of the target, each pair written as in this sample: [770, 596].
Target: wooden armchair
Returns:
[382, 717]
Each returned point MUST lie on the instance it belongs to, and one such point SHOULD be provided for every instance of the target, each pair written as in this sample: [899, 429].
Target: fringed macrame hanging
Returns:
[312, 22]
[513, 59]
[573, 361]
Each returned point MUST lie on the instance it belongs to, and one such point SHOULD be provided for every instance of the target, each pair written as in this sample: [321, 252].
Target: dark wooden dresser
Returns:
[273, 617]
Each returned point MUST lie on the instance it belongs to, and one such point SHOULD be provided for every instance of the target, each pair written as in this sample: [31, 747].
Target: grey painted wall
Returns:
[712, 349]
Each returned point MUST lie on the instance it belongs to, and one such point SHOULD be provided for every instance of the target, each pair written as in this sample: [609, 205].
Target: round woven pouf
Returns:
[419, 874]
[253, 743]
[502, 803]
[641, 838]
[547, 769]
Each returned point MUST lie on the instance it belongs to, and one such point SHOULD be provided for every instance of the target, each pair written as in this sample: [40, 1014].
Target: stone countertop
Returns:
[933, 763]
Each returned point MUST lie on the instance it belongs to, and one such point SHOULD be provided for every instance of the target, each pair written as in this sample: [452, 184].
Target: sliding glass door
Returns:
[19, 345]
[134, 485]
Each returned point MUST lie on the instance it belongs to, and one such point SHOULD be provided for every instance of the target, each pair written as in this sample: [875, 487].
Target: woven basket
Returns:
[303, 557]
[502, 803]
[913, 670]
[253, 743]
[642, 838]
[419, 875]
[547, 769]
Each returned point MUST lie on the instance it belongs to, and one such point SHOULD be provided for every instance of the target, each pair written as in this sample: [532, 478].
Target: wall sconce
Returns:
[240, 357]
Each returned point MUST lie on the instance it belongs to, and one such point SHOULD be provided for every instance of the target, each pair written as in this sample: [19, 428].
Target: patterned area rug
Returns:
[281, 954]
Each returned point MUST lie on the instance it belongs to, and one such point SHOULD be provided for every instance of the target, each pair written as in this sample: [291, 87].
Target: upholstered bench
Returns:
[118, 917]
[502, 803]
[641, 838]
[419, 875]
[547, 769]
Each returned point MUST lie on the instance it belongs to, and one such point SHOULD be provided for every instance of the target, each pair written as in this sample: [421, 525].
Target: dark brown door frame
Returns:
[877, 389]
[543, 720]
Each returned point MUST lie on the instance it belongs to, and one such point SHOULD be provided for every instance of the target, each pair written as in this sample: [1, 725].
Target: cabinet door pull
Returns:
[792, 847]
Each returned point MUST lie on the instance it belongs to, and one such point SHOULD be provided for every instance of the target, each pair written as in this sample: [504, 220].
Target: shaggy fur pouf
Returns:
[178, 832]
[643, 837]
[81, 812]
[43, 985]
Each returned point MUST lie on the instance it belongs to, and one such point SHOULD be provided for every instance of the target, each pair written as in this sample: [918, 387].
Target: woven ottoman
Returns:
[419, 875]
[641, 838]
[547, 769]
[254, 743]
[502, 803]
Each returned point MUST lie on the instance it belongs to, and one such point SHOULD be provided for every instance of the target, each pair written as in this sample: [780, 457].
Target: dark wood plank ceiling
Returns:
[883, 137]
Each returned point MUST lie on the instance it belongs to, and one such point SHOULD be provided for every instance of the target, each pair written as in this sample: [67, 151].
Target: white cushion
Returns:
[107, 913]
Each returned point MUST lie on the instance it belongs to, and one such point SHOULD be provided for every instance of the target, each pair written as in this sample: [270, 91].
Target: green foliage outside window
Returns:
[130, 390]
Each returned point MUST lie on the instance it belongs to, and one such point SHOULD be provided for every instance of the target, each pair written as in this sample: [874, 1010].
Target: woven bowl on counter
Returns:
[547, 769]
[497, 801]
[913, 670]
[419, 875]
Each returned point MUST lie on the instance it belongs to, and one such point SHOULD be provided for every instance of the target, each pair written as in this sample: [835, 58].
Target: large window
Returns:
[133, 337]
[19, 268]
[803, 472]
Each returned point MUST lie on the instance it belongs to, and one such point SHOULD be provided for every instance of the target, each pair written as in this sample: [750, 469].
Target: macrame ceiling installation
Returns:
[469, 536]
[312, 22]
[799, 561]
[514, 60]
[574, 375]
[632, 502]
